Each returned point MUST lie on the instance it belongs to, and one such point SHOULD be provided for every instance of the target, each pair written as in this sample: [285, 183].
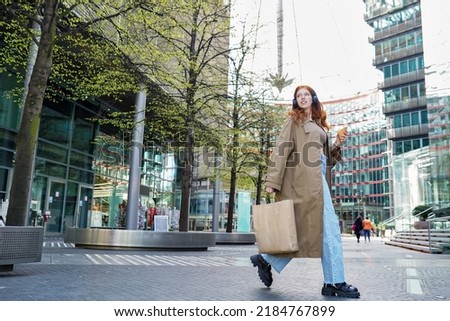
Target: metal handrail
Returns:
[430, 220]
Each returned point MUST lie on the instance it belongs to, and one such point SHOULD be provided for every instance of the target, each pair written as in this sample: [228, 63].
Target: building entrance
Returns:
[55, 205]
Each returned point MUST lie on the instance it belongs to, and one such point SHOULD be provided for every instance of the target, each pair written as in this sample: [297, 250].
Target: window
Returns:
[394, 44]
[407, 146]
[421, 62]
[412, 65]
[398, 148]
[397, 121]
[403, 67]
[402, 42]
[406, 121]
[386, 48]
[415, 118]
[378, 50]
[387, 72]
[56, 122]
[422, 89]
[405, 93]
[410, 39]
[395, 70]
[413, 91]
[419, 37]
[423, 117]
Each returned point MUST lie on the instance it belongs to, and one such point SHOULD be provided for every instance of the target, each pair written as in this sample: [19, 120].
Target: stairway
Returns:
[437, 241]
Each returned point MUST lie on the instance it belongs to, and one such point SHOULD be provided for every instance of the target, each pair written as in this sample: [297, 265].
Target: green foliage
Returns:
[422, 208]
[84, 64]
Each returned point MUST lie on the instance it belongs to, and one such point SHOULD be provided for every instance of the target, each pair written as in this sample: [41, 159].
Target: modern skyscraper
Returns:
[411, 50]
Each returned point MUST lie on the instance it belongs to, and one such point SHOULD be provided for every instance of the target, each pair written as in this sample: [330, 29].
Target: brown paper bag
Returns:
[274, 226]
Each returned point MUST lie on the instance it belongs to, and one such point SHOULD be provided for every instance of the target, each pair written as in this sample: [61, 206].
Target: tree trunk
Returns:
[29, 127]
[233, 174]
[231, 199]
[186, 182]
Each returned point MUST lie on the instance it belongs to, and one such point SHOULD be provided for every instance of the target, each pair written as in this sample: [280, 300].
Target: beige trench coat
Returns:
[295, 173]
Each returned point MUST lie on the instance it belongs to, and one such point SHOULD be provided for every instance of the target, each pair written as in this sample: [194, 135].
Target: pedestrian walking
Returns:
[300, 169]
[357, 227]
[367, 228]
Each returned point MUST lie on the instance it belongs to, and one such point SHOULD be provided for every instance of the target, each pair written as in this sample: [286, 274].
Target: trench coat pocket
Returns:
[275, 228]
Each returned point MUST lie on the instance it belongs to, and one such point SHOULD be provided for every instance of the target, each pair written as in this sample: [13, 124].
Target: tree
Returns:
[423, 210]
[60, 26]
[247, 121]
[197, 78]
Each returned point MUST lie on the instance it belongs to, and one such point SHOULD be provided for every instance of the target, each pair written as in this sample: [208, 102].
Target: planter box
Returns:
[421, 225]
[20, 244]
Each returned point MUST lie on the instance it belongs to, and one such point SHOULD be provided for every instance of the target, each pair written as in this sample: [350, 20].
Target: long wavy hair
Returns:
[317, 110]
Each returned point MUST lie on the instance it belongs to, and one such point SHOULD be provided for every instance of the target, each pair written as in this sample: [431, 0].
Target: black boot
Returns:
[340, 289]
[264, 269]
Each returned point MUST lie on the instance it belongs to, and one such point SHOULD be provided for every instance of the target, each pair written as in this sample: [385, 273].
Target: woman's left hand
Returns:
[341, 137]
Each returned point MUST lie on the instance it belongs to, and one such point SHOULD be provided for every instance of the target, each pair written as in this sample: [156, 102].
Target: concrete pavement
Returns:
[222, 273]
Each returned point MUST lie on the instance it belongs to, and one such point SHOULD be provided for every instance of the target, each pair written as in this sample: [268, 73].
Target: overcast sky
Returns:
[325, 44]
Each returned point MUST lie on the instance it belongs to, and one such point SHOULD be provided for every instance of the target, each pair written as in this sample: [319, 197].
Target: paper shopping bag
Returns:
[274, 226]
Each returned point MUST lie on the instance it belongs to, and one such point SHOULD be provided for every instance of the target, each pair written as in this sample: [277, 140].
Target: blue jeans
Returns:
[332, 258]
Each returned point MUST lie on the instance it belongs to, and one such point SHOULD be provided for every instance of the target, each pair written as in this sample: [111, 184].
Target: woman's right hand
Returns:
[270, 189]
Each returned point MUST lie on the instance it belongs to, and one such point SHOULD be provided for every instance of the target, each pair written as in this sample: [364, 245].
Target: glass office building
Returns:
[436, 26]
[81, 167]
[398, 44]
[361, 182]
[412, 51]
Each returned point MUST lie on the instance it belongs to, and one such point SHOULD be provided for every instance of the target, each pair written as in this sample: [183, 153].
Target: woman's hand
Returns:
[341, 137]
[270, 189]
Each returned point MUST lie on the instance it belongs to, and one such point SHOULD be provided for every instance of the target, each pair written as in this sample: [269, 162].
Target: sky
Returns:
[325, 44]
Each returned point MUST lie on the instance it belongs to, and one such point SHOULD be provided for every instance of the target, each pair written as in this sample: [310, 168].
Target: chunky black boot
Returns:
[340, 289]
[264, 269]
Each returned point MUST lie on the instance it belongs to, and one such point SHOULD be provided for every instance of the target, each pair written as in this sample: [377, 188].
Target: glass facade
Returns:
[361, 182]
[414, 56]
[81, 174]
[398, 44]
[437, 54]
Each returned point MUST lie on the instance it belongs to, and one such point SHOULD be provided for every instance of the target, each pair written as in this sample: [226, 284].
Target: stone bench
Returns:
[20, 244]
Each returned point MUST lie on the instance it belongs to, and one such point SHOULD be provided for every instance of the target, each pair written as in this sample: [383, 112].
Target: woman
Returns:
[358, 227]
[300, 169]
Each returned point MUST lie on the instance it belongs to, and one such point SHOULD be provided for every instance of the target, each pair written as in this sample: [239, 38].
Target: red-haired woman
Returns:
[300, 169]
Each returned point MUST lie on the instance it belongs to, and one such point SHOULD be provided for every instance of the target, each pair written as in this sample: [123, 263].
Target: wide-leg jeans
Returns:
[332, 258]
